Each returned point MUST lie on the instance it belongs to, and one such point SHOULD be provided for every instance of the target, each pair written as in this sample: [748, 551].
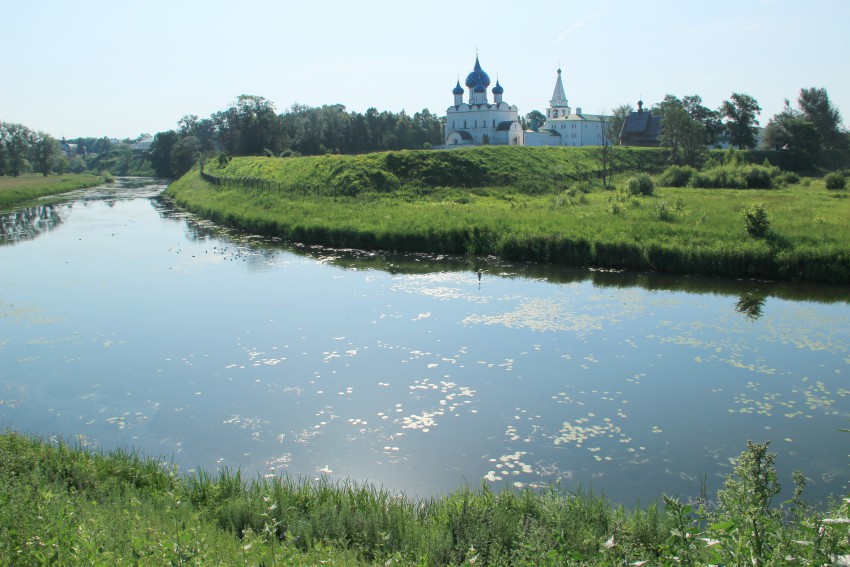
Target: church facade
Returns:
[476, 121]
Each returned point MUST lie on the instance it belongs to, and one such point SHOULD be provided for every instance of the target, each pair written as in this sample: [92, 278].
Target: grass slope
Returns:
[15, 191]
[534, 204]
[65, 505]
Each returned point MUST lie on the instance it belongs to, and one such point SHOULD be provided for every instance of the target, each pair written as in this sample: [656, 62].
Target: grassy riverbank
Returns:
[536, 204]
[16, 191]
[65, 505]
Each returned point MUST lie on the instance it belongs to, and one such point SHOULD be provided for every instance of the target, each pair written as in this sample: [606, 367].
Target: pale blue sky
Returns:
[119, 68]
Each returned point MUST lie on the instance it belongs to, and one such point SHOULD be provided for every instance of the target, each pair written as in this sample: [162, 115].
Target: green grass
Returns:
[535, 204]
[16, 191]
[65, 505]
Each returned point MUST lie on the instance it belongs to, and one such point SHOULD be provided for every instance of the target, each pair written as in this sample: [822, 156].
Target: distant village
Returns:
[477, 121]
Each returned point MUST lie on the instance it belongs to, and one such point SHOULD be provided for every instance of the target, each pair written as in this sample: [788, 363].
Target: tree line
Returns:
[252, 126]
[805, 138]
[23, 150]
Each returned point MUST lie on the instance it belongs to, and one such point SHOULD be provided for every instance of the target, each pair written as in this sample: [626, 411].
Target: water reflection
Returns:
[29, 223]
[751, 306]
[219, 348]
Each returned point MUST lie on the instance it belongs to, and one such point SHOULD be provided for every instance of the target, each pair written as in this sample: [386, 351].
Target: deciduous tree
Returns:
[741, 112]
[45, 152]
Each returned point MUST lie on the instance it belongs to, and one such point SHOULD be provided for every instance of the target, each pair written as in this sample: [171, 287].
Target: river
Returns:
[125, 322]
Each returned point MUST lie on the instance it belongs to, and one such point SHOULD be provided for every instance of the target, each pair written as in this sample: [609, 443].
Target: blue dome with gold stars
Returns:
[498, 88]
[458, 89]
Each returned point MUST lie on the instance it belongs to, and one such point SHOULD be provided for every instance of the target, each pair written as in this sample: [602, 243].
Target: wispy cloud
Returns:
[580, 24]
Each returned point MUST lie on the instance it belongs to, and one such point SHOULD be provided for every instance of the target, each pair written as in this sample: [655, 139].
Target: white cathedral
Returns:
[478, 122]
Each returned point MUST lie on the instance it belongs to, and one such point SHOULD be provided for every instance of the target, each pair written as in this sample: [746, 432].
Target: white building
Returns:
[477, 121]
[564, 127]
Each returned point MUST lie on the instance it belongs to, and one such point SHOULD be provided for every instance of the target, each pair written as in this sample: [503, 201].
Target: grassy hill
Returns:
[535, 204]
[467, 167]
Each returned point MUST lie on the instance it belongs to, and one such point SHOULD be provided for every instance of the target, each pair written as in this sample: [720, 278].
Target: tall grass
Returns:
[563, 220]
[65, 505]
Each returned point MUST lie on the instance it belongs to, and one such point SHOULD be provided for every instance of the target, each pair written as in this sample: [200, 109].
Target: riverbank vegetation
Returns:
[63, 504]
[539, 204]
[23, 150]
[16, 191]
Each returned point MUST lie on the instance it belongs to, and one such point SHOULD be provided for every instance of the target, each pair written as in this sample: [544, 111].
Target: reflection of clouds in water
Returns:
[429, 285]
[726, 343]
[558, 315]
[809, 330]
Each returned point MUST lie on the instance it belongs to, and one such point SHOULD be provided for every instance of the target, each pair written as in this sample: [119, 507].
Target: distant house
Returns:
[640, 128]
[143, 143]
[69, 151]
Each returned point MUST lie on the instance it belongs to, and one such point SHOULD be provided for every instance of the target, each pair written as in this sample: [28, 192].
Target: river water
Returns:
[125, 322]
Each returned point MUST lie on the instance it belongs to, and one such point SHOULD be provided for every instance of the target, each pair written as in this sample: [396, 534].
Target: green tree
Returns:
[685, 136]
[45, 152]
[815, 105]
[792, 133]
[616, 121]
[160, 153]
[709, 118]
[17, 140]
[740, 113]
[534, 120]
[184, 154]
[249, 127]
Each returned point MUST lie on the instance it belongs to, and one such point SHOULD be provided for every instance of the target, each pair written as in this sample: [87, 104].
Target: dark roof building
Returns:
[640, 128]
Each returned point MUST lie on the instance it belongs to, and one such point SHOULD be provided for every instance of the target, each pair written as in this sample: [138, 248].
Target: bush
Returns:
[736, 177]
[641, 185]
[663, 212]
[676, 176]
[790, 178]
[834, 180]
[757, 221]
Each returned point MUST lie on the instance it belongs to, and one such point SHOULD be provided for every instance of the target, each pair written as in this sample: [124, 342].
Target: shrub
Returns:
[676, 176]
[757, 221]
[834, 180]
[641, 185]
[790, 178]
[736, 177]
[663, 212]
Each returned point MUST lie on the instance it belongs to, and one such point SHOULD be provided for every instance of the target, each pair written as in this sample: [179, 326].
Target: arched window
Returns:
[464, 123]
